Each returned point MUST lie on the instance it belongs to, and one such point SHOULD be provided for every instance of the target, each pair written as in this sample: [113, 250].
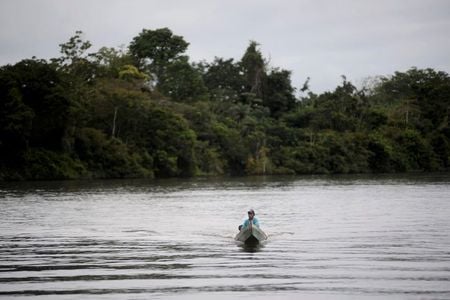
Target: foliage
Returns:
[224, 79]
[279, 93]
[109, 158]
[45, 164]
[154, 49]
[254, 68]
[36, 110]
[182, 82]
[148, 111]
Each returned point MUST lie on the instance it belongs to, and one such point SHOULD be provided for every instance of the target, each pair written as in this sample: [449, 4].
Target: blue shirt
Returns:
[247, 222]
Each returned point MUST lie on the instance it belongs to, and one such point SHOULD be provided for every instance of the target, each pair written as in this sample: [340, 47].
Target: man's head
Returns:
[251, 214]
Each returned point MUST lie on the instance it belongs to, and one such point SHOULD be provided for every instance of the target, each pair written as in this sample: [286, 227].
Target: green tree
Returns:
[340, 110]
[113, 59]
[16, 120]
[224, 79]
[76, 61]
[109, 157]
[182, 82]
[279, 94]
[232, 148]
[171, 142]
[155, 49]
[254, 68]
[36, 91]
[422, 92]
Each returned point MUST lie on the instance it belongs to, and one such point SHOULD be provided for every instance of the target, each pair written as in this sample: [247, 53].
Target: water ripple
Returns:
[326, 237]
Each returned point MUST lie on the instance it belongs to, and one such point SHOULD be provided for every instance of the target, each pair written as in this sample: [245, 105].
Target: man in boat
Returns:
[251, 218]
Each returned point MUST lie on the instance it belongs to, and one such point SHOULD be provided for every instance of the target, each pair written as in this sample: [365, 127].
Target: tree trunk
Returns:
[113, 132]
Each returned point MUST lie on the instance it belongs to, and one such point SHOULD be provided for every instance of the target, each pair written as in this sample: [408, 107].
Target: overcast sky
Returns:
[312, 38]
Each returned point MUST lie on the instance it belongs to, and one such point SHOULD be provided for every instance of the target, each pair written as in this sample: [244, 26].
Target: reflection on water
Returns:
[383, 236]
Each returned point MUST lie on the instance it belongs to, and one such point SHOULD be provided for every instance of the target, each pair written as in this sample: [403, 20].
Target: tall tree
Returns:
[75, 60]
[254, 69]
[224, 79]
[36, 93]
[423, 92]
[278, 93]
[155, 49]
[182, 82]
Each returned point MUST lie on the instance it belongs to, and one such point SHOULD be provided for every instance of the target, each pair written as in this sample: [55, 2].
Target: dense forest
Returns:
[148, 111]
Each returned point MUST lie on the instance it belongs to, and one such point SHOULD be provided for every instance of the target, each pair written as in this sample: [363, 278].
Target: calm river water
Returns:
[329, 237]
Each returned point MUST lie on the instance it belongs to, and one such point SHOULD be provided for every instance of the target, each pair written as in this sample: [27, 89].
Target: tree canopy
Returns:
[149, 111]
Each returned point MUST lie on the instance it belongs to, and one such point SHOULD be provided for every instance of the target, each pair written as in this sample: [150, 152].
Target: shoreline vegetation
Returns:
[147, 111]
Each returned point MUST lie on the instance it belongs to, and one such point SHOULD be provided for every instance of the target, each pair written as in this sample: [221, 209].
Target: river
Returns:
[347, 237]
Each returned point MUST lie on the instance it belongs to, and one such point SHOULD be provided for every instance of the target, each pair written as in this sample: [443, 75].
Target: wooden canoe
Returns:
[251, 235]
